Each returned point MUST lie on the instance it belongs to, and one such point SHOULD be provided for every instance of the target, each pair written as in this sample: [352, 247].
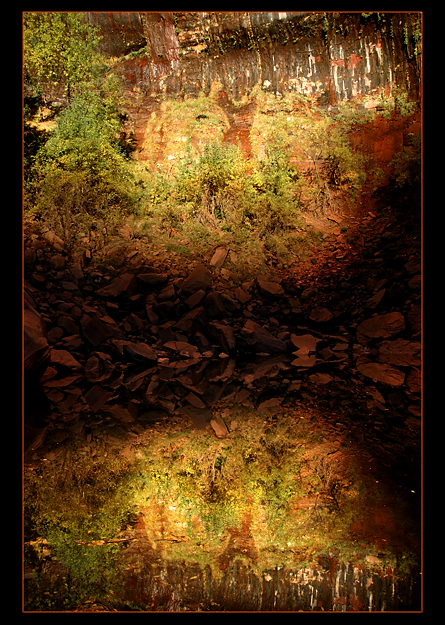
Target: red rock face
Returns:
[382, 138]
[121, 32]
[176, 55]
[187, 52]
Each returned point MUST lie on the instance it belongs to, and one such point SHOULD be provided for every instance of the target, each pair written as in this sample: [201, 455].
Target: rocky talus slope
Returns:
[153, 338]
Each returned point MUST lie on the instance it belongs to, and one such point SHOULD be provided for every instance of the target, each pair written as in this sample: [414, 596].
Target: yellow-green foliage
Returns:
[69, 517]
[179, 123]
[270, 479]
[317, 142]
[80, 173]
[215, 186]
[78, 170]
[301, 158]
[59, 49]
[408, 165]
[276, 182]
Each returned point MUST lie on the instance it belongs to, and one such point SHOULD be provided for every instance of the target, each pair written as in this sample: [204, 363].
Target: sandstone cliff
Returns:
[333, 56]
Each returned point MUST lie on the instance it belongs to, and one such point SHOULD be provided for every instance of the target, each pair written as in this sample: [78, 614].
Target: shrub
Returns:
[159, 189]
[316, 140]
[407, 165]
[77, 172]
[33, 141]
[404, 106]
[215, 185]
[81, 170]
[274, 179]
[170, 128]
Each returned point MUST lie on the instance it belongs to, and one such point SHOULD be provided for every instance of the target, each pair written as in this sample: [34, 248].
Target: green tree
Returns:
[81, 172]
[60, 53]
[86, 135]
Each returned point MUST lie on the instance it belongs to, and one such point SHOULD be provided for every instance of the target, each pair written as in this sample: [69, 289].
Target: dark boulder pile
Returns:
[146, 341]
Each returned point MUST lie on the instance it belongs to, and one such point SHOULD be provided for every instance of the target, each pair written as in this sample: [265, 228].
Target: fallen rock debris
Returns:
[187, 342]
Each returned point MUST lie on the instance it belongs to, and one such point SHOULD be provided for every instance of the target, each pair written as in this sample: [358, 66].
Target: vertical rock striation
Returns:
[333, 56]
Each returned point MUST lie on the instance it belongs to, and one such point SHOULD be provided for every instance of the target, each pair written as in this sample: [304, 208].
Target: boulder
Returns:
[219, 257]
[261, 339]
[192, 321]
[326, 353]
[55, 334]
[133, 320]
[97, 397]
[182, 347]
[214, 305]
[413, 267]
[140, 351]
[195, 401]
[153, 279]
[98, 367]
[62, 380]
[57, 262]
[69, 285]
[68, 405]
[304, 341]
[381, 327]
[320, 378]
[220, 370]
[271, 289]
[95, 331]
[123, 284]
[375, 300]
[195, 298]
[36, 347]
[70, 326]
[223, 335]
[37, 281]
[415, 283]
[76, 270]
[50, 237]
[199, 279]
[219, 427]
[269, 404]
[260, 367]
[212, 393]
[151, 314]
[308, 293]
[242, 397]
[200, 417]
[241, 295]
[63, 358]
[121, 413]
[230, 304]
[320, 315]
[340, 347]
[30, 256]
[414, 380]
[166, 333]
[381, 372]
[201, 341]
[400, 352]
[168, 293]
[304, 361]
